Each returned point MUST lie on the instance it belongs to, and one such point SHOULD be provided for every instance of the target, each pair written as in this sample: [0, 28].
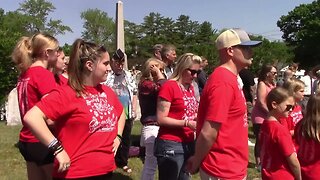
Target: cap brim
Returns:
[251, 43]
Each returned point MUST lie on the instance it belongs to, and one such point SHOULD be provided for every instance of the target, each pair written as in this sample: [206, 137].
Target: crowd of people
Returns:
[78, 112]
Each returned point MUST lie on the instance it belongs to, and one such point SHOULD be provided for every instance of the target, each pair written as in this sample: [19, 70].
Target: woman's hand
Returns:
[116, 144]
[155, 71]
[192, 125]
[64, 161]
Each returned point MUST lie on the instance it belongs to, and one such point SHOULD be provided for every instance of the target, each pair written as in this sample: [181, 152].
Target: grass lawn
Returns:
[13, 165]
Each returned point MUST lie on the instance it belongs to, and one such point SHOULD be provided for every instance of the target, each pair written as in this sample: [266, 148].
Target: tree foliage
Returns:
[31, 17]
[99, 28]
[10, 31]
[37, 12]
[185, 34]
[300, 29]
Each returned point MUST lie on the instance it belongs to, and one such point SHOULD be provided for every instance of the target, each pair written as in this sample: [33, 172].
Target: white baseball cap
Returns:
[233, 37]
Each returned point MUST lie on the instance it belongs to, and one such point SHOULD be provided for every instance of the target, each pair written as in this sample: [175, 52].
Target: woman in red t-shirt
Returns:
[32, 55]
[307, 137]
[88, 118]
[176, 114]
[278, 156]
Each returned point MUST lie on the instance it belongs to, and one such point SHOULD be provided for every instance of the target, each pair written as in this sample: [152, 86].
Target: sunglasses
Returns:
[193, 72]
[273, 73]
[289, 107]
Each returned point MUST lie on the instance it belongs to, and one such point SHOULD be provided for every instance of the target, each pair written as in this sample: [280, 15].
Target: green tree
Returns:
[133, 37]
[37, 12]
[301, 31]
[11, 29]
[275, 52]
[99, 27]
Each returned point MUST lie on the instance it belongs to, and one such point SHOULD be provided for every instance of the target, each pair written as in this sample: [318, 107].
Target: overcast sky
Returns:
[255, 16]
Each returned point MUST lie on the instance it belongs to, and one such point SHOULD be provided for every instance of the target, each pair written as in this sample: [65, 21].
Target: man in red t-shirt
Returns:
[222, 128]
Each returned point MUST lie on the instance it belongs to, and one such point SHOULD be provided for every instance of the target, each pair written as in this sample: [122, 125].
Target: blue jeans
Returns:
[171, 157]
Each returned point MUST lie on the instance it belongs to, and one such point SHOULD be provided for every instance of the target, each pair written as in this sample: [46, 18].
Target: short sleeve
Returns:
[54, 105]
[219, 100]
[147, 87]
[167, 91]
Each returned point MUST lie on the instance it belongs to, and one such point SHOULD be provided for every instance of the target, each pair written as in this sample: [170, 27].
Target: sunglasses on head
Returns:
[289, 107]
[193, 72]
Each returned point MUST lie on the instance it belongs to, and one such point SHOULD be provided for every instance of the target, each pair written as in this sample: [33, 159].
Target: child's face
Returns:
[283, 109]
[298, 95]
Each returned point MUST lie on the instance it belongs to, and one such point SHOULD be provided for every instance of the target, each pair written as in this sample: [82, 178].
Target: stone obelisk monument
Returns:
[120, 31]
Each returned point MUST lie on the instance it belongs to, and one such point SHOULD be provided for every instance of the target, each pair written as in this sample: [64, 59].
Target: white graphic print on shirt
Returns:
[104, 118]
[190, 103]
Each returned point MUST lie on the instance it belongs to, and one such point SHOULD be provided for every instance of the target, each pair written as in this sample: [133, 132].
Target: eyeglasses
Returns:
[273, 73]
[289, 107]
[193, 72]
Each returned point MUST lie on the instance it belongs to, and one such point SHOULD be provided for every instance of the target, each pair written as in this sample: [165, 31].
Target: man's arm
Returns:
[205, 140]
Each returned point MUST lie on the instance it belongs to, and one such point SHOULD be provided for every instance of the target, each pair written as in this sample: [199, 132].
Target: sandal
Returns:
[127, 169]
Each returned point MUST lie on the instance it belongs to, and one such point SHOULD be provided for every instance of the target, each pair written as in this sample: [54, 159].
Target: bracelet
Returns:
[53, 142]
[186, 123]
[59, 150]
[119, 137]
[55, 146]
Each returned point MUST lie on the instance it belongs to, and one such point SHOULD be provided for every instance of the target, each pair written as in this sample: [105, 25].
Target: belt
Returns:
[151, 123]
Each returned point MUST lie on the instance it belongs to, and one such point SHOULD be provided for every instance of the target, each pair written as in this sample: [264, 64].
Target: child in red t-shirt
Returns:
[295, 86]
[278, 157]
[307, 137]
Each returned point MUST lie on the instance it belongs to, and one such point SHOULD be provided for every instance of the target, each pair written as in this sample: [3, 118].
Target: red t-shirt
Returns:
[32, 85]
[308, 155]
[184, 106]
[62, 80]
[86, 126]
[293, 118]
[223, 102]
[276, 145]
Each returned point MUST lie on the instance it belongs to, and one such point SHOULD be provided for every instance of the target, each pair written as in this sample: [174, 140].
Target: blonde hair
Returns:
[294, 85]
[82, 52]
[146, 74]
[184, 62]
[29, 48]
[311, 121]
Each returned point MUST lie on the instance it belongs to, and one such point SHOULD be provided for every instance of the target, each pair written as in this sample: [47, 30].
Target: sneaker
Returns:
[250, 143]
